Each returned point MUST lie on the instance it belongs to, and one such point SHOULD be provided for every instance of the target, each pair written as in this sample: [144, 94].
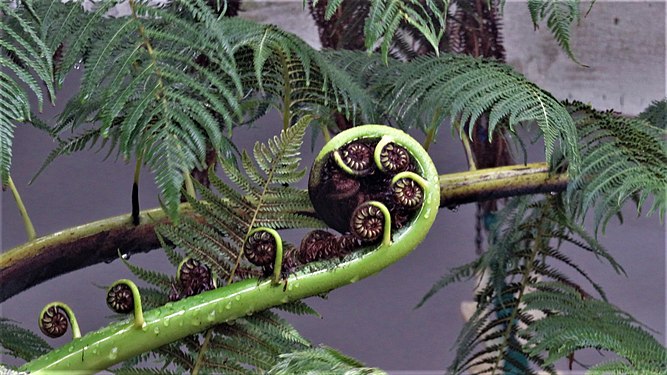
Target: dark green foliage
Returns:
[321, 360]
[387, 17]
[560, 15]
[19, 342]
[656, 114]
[428, 90]
[521, 300]
[578, 323]
[622, 158]
[25, 60]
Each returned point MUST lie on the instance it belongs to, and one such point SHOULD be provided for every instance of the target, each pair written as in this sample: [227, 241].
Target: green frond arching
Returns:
[26, 62]
[577, 323]
[656, 114]
[290, 75]
[623, 158]
[560, 15]
[18, 342]
[320, 360]
[426, 91]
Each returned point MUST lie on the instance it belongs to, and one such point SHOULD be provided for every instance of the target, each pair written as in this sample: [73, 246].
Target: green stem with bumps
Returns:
[173, 321]
[27, 223]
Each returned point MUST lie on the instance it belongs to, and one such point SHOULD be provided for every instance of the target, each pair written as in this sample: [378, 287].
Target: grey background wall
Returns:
[374, 320]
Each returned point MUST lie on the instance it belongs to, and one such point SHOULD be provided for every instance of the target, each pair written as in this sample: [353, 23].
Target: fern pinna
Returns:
[526, 294]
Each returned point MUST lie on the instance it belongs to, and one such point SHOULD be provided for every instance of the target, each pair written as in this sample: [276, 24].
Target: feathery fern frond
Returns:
[425, 91]
[387, 17]
[290, 74]
[19, 342]
[560, 15]
[656, 114]
[25, 60]
[577, 323]
[524, 256]
[320, 360]
[622, 158]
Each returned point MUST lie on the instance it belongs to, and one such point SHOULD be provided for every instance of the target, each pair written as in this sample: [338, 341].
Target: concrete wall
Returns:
[374, 320]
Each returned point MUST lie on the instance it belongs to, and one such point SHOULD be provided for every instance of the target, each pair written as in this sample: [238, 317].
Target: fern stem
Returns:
[469, 155]
[99, 241]
[430, 136]
[202, 352]
[287, 91]
[27, 223]
[189, 186]
[135, 191]
[500, 182]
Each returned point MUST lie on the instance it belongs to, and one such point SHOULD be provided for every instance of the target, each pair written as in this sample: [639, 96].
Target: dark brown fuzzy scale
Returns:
[54, 322]
[120, 299]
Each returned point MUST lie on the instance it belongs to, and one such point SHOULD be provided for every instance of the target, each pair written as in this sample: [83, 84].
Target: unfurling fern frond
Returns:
[19, 342]
[577, 323]
[524, 271]
[25, 60]
[320, 360]
[622, 158]
[560, 15]
[426, 91]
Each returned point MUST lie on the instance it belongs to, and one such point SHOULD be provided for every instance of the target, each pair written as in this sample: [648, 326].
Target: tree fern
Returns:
[623, 158]
[656, 114]
[560, 15]
[19, 342]
[426, 91]
[26, 60]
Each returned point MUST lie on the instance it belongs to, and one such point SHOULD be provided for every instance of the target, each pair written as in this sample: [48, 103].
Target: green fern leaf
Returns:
[19, 342]
[560, 15]
[321, 360]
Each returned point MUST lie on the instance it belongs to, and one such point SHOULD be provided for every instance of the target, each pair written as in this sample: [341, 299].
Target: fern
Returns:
[656, 114]
[623, 158]
[387, 17]
[321, 360]
[19, 342]
[25, 60]
[426, 91]
[560, 15]
[577, 323]
[524, 257]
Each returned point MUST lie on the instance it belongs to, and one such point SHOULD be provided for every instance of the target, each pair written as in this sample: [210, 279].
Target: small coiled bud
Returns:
[357, 156]
[260, 248]
[194, 277]
[53, 322]
[317, 245]
[55, 319]
[394, 158]
[120, 299]
[407, 193]
[367, 222]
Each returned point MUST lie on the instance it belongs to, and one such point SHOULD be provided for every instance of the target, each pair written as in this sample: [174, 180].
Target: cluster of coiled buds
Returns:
[364, 187]
[320, 244]
[192, 277]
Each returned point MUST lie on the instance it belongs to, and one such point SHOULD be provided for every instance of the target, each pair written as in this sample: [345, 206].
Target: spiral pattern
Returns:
[358, 156]
[260, 248]
[120, 298]
[54, 322]
[367, 222]
[408, 193]
[394, 158]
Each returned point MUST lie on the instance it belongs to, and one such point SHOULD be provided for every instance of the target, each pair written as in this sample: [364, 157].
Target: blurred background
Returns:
[374, 320]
